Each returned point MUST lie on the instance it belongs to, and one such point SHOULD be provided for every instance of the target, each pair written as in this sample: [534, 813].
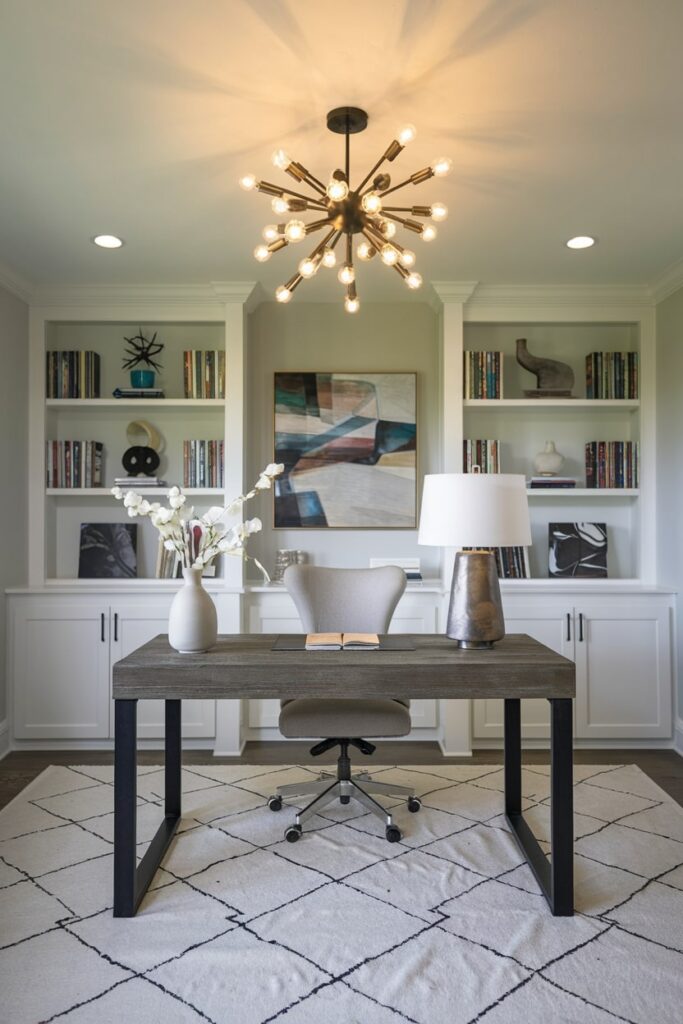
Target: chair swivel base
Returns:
[329, 788]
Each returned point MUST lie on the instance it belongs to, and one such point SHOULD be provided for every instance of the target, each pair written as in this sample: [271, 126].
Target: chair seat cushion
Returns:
[310, 717]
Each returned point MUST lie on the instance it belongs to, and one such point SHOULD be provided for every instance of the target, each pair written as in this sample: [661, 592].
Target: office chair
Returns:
[344, 600]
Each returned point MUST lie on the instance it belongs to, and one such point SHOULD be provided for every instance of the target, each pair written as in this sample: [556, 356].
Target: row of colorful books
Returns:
[74, 374]
[612, 375]
[204, 374]
[484, 453]
[483, 374]
[612, 463]
[73, 463]
[203, 463]
[512, 563]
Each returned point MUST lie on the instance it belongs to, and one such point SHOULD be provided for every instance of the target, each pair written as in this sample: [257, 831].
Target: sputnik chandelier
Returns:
[345, 212]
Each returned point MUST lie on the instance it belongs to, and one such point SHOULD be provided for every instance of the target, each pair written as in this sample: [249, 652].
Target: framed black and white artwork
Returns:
[108, 550]
[577, 549]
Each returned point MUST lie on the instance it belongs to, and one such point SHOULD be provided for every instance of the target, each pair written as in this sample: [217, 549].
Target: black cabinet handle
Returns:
[580, 625]
[102, 627]
[116, 626]
[569, 626]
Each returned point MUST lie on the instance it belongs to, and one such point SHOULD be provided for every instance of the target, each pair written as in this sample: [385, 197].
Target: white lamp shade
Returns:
[475, 510]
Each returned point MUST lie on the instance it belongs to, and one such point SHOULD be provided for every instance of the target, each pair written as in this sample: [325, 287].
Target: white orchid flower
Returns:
[213, 516]
[253, 525]
[170, 545]
[273, 469]
[131, 499]
[176, 500]
[117, 492]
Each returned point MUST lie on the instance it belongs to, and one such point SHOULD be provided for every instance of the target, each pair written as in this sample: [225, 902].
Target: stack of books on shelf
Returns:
[168, 563]
[139, 482]
[551, 482]
[612, 463]
[202, 463]
[511, 563]
[484, 453]
[138, 393]
[612, 375]
[73, 463]
[72, 375]
[483, 374]
[204, 374]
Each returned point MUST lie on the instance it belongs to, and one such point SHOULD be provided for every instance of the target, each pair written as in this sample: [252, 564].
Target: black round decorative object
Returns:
[140, 461]
[343, 120]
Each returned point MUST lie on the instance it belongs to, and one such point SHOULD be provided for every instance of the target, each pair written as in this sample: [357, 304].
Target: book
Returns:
[203, 463]
[204, 373]
[483, 374]
[139, 481]
[612, 375]
[138, 393]
[73, 464]
[483, 453]
[550, 482]
[342, 641]
[72, 374]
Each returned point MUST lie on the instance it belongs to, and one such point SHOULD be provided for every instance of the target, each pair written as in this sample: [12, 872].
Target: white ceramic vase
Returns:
[549, 461]
[192, 621]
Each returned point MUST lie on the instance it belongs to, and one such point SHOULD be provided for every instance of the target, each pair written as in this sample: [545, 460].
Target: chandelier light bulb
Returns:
[337, 190]
[351, 304]
[407, 134]
[329, 258]
[270, 232]
[281, 159]
[262, 253]
[439, 211]
[365, 251]
[371, 202]
[248, 182]
[388, 228]
[441, 166]
[279, 205]
[295, 230]
[389, 255]
[308, 267]
[347, 275]
[414, 280]
[283, 294]
[407, 258]
[428, 233]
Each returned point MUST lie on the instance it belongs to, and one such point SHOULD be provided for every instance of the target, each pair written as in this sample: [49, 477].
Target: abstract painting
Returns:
[577, 549]
[348, 442]
[108, 550]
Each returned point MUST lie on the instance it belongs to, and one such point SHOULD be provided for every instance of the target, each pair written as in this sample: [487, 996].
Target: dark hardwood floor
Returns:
[665, 767]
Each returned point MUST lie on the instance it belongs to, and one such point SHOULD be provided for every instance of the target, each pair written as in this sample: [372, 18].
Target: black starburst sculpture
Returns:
[141, 351]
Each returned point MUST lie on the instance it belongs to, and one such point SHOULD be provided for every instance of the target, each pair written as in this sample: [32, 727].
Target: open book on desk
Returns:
[342, 641]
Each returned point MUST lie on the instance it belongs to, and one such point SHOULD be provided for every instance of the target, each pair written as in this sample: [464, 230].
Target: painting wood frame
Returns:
[348, 441]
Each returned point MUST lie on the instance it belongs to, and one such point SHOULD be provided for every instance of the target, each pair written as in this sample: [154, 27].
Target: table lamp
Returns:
[480, 511]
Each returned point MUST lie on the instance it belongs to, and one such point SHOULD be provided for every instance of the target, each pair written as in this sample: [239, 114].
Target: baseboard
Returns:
[4, 738]
[678, 736]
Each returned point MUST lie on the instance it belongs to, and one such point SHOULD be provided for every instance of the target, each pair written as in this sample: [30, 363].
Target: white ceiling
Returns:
[562, 117]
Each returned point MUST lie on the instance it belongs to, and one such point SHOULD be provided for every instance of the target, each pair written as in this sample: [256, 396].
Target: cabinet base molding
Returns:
[4, 739]
[678, 736]
[76, 745]
[606, 744]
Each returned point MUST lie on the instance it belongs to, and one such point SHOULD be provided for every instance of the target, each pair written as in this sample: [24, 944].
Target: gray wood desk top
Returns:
[244, 665]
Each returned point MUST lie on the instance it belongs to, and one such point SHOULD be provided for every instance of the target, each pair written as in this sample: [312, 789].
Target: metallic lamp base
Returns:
[475, 613]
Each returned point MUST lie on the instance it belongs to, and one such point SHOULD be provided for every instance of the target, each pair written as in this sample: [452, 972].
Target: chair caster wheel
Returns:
[344, 799]
[293, 833]
[414, 804]
[275, 803]
[393, 834]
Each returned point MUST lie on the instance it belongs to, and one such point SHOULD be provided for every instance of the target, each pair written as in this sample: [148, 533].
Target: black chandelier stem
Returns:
[347, 147]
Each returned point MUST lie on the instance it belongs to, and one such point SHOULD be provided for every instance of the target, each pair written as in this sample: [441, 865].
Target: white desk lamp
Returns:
[477, 510]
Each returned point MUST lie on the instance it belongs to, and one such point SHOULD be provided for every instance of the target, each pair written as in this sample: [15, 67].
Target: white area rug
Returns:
[446, 927]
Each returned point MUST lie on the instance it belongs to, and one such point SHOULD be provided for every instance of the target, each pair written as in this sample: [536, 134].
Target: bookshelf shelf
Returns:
[147, 492]
[595, 404]
[116, 403]
[592, 493]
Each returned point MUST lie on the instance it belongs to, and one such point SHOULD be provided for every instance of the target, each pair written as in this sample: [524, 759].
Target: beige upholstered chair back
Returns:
[345, 600]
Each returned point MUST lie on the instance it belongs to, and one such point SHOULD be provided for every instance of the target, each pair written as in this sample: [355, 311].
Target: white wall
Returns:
[13, 457]
[323, 337]
[669, 457]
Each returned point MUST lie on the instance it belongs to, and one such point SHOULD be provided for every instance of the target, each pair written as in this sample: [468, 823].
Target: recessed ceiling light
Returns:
[108, 241]
[580, 242]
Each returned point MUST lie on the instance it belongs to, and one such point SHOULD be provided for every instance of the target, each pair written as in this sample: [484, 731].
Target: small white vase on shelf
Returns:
[192, 621]
[549, 461]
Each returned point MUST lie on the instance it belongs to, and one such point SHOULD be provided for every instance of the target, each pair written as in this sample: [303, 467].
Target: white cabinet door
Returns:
[417, 613]
[549, 622]
[134, 622]
[60, 671]
[623, 660]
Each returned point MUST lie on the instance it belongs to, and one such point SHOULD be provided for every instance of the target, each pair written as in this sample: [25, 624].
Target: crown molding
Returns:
[669, 282]
[15, 283]
[451, 291]
[125, 296]
[562, 296]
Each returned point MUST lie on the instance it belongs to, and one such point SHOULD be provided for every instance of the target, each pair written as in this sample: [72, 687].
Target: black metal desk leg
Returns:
[173, 760]
[513, 757]
[125, 800]
[561, 809]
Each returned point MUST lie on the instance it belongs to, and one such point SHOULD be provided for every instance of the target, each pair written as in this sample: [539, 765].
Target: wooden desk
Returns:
[245, 666]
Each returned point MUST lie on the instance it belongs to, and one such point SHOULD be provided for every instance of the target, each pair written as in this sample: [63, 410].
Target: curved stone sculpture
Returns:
[553, 379]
